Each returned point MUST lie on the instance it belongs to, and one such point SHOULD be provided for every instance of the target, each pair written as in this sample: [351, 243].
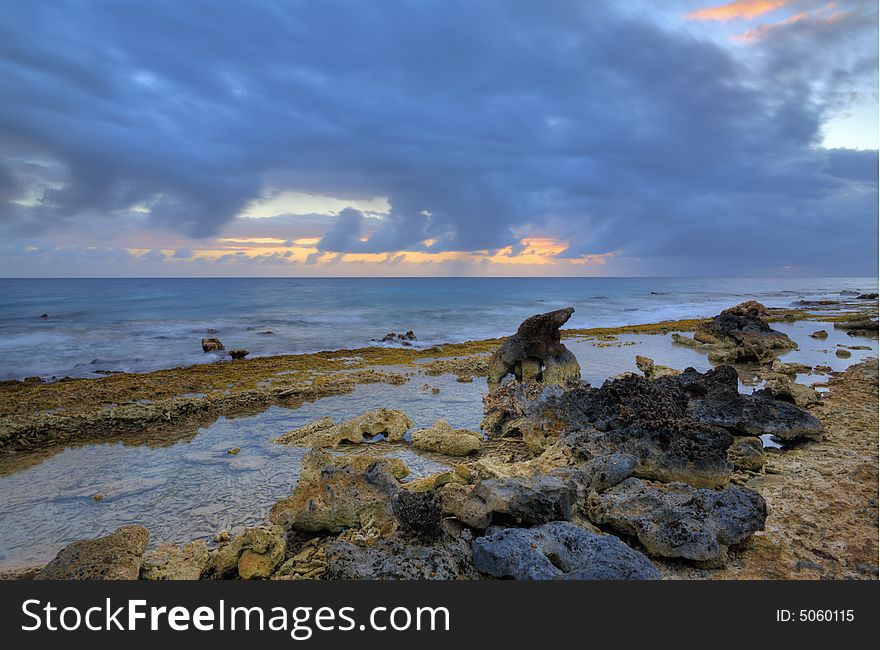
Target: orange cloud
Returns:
[816, 17]
[740, 9]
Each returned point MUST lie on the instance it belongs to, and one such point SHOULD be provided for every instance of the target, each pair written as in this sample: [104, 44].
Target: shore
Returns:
[821, 496]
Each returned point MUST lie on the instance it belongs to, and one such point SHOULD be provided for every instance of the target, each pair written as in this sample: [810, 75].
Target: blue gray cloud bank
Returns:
[619, 130]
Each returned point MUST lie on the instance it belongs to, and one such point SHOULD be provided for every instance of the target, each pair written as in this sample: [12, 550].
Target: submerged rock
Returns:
[739, 335]
[116, 556]
[536, 352]
[559, 550]
[675, 520]
[211, 344]
[391, 423]
[440, 437]
[173, 562]
[253, 554]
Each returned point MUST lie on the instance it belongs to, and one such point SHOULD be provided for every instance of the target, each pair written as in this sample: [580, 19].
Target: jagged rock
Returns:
[116, 556]
[431, 482]
[511, 501]
[419, 513]
[440, 437]
[536, 352]
[559, 550]
[238, 353]
[211, 344]
[715, 399]
[173, 562]
[508, 403]
[820, 334]
[746, 453]
[652, 370]
[391, 423]
[398, 558]
[333, 496]
[785, 389]
[739, 335]
[315, 460]
[674, 520]
[253, 554]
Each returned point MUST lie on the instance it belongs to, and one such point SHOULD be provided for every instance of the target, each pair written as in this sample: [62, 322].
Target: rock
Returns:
[714, 399]
[740, 335]
[746, 453]
[674, 520]
[173, 562]
[419, 513]
[431, 482]
[253, 554]
[44, 316]
[790, 368]
[785, 389]
[559, 550]
[398, 558]
[238, 354]
[653, 371]
[859, 324]
[316, 460]
[334, 496]
[867, 296]
[511, 501]
[464, 379]
[234, 451]
[440, 437]
[843, 354]
[391, 423]
[211, 344]
[116, 556]
[536, 352]
[820, 334]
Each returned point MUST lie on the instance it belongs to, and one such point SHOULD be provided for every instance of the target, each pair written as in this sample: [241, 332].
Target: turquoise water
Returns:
[137, 325]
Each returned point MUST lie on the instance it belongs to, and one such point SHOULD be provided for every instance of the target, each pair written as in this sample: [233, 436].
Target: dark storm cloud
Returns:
[479, 121]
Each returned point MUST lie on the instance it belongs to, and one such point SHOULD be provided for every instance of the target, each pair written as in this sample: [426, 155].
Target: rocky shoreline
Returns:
[647, 476]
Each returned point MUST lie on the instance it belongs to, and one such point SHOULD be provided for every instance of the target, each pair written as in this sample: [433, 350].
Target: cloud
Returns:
[481, 124]
[737, 10]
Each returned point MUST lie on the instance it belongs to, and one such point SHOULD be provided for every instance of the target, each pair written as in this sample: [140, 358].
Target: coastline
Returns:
[38, 419]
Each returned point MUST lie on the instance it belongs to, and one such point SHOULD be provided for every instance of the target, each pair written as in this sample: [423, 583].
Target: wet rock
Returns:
[464, 379]
[511, 501]
[234, 451]
[253, 554]
[391, 423]
[653, 371]
[173, 562]
[867, 296]
[842, 354]
[211, 344]
[559, 550]
[116, 556]
[674, 520]
[44, 316]
[536, 352]
[334, 496]
[238, 353]
[790, 368]
[440, 437]
[398, 558]
[740, 335]
[746, 453]
[507, 404]
[820, 334]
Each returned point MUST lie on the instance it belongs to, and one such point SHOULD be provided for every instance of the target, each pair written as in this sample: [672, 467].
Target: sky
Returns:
[453, 137]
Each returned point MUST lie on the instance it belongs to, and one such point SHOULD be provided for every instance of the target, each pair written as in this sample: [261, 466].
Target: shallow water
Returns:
[192, 488]
[136, 325]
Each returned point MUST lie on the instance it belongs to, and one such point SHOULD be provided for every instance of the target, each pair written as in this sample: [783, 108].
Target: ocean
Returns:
[96, 326]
